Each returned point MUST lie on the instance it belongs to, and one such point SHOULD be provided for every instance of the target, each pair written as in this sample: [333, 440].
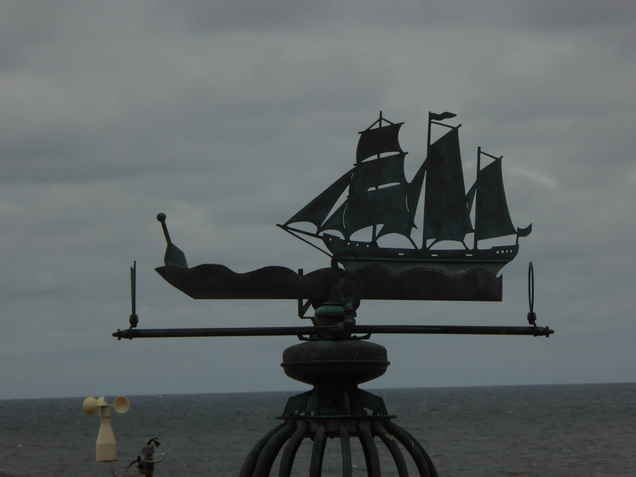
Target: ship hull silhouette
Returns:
[357, 254]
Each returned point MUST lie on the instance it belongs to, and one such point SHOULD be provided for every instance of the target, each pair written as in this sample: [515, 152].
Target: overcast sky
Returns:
[229, 116]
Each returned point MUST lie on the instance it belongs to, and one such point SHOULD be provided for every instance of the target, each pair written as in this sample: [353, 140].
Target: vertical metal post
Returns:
[428, 147]
[475, 199]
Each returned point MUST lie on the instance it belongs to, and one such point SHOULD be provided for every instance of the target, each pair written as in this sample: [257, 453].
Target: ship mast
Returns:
[428, 147]
[476, 198]
[374, 233]
[433, 118]
[498, 212]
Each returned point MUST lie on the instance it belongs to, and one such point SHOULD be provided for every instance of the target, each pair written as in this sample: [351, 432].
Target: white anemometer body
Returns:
[106, 445]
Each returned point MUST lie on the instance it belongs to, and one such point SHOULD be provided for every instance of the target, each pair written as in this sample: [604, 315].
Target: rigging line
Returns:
[286, 229]
[490, 155]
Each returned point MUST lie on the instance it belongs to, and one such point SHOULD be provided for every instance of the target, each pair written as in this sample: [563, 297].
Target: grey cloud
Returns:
[229, 122]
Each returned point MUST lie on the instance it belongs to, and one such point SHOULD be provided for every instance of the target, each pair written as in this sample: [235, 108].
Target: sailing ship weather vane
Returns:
[359, 219]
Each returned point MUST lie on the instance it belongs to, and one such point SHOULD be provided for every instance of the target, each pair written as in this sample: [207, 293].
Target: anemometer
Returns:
[106, 445]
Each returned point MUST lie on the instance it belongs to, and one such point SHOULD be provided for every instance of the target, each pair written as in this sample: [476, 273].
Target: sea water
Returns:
[555, 430]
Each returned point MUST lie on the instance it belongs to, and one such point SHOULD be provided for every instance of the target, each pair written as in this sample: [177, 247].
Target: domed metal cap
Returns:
[335, 362]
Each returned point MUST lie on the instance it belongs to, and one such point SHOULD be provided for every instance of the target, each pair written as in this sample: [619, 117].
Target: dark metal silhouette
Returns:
[377, 196]
[334, 355]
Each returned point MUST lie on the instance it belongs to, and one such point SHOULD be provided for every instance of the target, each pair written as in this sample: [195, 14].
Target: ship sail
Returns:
[378, 191]
[376, 196]
[318, 209]
[446, 213]
[492, 218]
[378, 141]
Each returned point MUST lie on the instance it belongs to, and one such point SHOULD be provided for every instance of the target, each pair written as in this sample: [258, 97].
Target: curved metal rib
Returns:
[345, 447]
[428, 459]
[370, 450]
[318, 451]
[391, 443]
[292, 433]
[422, 460]
[289, 453]
[250, 461]
[271, 448]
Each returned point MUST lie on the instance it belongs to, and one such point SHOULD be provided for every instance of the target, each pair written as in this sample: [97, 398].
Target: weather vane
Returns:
[359, 219]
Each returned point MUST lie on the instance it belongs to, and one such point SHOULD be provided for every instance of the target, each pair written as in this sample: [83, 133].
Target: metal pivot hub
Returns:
[336, 409]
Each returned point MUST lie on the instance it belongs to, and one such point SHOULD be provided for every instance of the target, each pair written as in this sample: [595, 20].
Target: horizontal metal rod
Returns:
[312, 330]
[202, 332]
[455, 330]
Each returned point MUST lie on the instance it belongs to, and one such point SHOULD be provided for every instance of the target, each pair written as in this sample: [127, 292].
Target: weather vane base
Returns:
[336, 409]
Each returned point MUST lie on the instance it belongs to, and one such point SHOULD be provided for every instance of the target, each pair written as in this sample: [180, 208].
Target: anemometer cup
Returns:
[89, 405]
[121, 405]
